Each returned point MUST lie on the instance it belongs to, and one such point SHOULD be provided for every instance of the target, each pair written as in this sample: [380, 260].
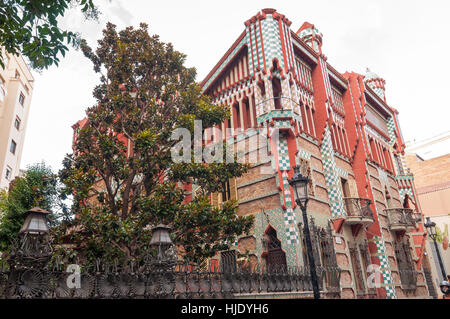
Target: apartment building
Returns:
[16, 89]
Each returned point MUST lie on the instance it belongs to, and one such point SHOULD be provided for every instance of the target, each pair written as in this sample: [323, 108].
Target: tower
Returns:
[376, 83]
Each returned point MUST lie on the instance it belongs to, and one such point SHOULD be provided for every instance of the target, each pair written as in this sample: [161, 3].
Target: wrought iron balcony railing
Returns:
[402, 219]
[358, 210]
[408, 278]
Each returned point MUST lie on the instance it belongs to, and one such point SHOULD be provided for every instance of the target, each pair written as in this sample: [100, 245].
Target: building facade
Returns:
[16, 88]
[340, 130]
[429, 162]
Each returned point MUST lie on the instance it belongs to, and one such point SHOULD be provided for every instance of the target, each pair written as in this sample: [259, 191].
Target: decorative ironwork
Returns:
[402, 218]
[275, 257]
[406, 268]
[183, 281]
[358, 207]
[228, 261]
[357, 271]
[364, 251]
[324, 256]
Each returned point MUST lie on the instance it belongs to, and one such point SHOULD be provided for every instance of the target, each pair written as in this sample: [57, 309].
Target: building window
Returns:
[274, 256]
[236, 116]
[17, 75]
[405, 263]
[228, 261]
[357, 270]
[21, 98]
[226, 193]
[398, 164]
[8, 173]
[277, 92]
[229, 192]
[13, 146]
[324, 256]
[17, 123]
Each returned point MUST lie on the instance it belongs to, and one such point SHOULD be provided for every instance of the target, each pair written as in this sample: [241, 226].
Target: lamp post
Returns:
[34, 248]
[300, 185]
[431, 229]
[166, 257]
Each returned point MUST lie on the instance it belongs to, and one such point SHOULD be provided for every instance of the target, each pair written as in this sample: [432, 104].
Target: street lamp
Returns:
[431, 229]
[166, 255]
[161, 239]
[33, 248]
[300, 185]
[35, 222]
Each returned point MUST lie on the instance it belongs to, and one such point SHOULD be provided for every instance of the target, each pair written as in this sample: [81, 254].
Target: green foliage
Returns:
[37, 187]
[145, 92]
[441, 234]
[31, 27]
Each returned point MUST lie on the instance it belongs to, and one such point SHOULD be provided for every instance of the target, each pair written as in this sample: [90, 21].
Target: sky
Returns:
[406, 42]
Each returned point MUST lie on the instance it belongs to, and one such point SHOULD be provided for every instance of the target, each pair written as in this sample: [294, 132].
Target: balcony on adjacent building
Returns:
[358, 211]
[402, 219]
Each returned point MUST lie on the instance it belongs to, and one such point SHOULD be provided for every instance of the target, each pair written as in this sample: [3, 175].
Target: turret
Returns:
[311, 36]
[376, 83]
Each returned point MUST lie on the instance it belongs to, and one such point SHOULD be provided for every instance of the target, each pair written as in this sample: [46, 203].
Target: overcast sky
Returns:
[405, 42]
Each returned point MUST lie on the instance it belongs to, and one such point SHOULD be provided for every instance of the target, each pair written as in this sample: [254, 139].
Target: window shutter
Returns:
[215, 199]
[233, 189]
[353, 188]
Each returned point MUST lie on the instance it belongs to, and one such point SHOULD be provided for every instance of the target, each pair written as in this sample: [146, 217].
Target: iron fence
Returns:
[183, 281]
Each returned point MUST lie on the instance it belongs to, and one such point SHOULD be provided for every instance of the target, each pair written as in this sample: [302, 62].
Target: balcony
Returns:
[358, 211]
[402, 219]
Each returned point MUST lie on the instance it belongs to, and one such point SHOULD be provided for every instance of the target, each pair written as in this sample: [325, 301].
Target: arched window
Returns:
[276, 86]
[274, 256]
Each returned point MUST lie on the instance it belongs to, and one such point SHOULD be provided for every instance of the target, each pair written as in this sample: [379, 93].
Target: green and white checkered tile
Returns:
[289, 216]
[403, 191]
[341, 172]
[331, 177]
[391, 130]
[292, 235]
[283, 154]
[385, 267]
[272, 43]
[304, 154]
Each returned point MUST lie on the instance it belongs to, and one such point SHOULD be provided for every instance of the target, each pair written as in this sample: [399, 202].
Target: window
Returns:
[274, 256]
[345, 187]
[405, 263]
[226, 193]
[229, 191]
[8, 173]
[236, 116]
[324, 256]
[13, 146]
[21, 98]
[276, 85]
[17, 75]
[398, 164]
[228, 261]
[357, 270]
[17, 123]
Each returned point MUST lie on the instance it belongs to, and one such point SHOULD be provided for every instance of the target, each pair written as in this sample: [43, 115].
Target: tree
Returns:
[37, 187]
[122, 175]
[30, 27]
